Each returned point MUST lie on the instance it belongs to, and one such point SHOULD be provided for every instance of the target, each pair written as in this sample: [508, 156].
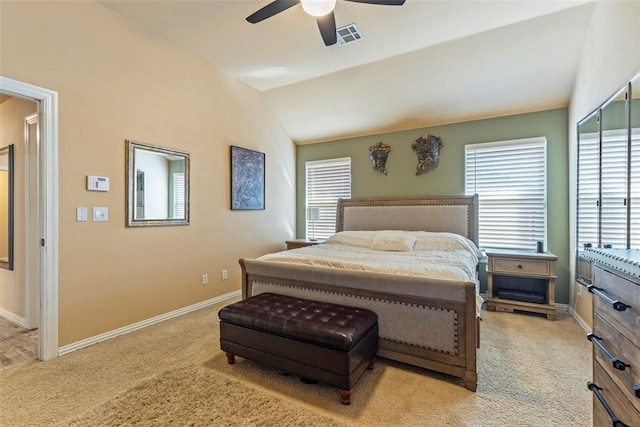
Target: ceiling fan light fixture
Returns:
[318, 7]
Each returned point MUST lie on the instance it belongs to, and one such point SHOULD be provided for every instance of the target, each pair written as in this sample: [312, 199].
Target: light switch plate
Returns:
[81, 214]
[100, 214]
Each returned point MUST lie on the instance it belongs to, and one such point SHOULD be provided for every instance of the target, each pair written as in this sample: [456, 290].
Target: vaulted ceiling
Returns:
[421, 64]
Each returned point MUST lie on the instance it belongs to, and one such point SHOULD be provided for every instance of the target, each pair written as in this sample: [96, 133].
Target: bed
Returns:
[426, 321]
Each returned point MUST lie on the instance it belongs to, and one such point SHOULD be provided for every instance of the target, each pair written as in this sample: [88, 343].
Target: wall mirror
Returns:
[588, 185]
[613, 170]
[634, 164]
[6, 207]
[157, 185]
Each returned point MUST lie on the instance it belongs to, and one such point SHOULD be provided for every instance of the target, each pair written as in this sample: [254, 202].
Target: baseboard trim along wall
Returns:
[14, 318]
[580, 321]
[143, 324]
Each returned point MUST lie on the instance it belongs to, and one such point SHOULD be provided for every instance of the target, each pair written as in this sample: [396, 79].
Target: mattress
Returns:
[444, 256]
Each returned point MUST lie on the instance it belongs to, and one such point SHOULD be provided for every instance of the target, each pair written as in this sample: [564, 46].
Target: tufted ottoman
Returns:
[319, 341]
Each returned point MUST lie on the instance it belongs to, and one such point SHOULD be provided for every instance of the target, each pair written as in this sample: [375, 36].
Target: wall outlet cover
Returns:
[81, 214]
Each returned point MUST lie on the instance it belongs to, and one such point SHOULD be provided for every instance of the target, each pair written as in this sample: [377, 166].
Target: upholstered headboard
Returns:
[454, 214]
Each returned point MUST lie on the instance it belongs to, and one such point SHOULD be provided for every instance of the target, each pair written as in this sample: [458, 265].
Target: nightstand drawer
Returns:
[521, 266]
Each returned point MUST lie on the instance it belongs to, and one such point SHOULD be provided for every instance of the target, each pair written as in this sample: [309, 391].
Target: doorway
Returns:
[42, 226]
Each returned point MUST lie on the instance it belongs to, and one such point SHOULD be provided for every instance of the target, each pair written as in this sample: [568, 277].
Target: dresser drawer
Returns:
[618, 288]
[625, 351]
[616, 400]
[517, 266]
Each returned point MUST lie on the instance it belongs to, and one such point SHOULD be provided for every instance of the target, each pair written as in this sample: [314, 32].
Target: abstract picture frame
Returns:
[247, 179]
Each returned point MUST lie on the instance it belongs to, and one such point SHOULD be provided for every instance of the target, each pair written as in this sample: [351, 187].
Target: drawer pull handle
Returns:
[636, 390]
[519, 265]
[596, 391]
[617, 363]
[617, 305]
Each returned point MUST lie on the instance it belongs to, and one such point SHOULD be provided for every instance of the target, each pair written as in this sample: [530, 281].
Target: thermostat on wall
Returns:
[97, 183]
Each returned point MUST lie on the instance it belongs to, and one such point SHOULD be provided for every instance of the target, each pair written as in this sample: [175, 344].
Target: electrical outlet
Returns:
[205, 279]
[225, 275]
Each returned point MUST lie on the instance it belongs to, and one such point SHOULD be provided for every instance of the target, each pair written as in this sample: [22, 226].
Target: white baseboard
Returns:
[12, 317]
[580, 321]
[143, 324]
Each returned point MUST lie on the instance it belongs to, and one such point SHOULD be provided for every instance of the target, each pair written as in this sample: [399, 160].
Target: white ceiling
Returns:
[421, 64]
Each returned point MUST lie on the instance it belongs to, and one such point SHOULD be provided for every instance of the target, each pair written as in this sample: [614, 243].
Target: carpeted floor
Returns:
[532, 372]
[196, 396]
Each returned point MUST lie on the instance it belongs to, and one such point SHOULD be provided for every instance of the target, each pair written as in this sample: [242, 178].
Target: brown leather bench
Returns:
[318, 341]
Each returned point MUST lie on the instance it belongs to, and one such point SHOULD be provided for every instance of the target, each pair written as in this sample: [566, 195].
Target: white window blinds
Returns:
[178, 196]
[510, 180]
[634, 218]
[588, 189]
[613, 178]
[327, 181]
[605, 169]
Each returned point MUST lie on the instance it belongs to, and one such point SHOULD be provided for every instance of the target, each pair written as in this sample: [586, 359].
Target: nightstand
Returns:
[521, 280]
[301, 243]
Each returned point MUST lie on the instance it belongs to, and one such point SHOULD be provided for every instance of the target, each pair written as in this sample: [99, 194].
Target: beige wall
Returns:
[116, 81]
[610, 56]
[12, 120]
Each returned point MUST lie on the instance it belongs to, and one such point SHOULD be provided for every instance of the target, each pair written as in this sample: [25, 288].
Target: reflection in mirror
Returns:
[157, 185]
[613, 170]
[588, 185]
[6, 207]
[634, 190]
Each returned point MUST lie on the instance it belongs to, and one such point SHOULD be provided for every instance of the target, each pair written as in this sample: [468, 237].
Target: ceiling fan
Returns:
[321, 9]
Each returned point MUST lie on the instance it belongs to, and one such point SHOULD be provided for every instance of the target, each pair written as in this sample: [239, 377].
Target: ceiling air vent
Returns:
[348, 34]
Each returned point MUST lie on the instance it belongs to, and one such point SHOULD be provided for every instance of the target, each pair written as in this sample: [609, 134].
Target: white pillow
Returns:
[393, 242]
[444, 241]
[361, 239]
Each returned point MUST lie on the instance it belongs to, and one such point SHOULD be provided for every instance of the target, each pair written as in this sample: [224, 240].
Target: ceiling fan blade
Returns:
[271, 9]
[381, 2]
[327, 27]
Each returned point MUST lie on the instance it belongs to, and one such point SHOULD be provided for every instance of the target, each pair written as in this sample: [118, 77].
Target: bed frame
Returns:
[429, 323]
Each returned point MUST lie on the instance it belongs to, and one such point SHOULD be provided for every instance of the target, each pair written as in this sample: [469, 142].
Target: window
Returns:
[178, 195]
[510, 180]
[327, 181]
[604, 169]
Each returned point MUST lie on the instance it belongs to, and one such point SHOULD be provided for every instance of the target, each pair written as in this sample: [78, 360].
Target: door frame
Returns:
[47, 207]
[32, 239]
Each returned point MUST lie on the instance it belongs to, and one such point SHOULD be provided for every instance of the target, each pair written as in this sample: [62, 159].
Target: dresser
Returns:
[521, 280]
[616, 336]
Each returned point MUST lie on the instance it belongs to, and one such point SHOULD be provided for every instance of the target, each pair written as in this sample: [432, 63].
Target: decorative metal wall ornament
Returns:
[378, 154]
[427, 148]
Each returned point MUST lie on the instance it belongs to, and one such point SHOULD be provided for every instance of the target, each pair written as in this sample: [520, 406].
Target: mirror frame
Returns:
[131, 146]
[8, 150]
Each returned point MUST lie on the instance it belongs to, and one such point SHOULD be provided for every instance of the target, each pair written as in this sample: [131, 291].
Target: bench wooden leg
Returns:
[345, 397]
[231, 358]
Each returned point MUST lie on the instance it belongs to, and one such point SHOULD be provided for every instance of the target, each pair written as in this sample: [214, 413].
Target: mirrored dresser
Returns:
[616, 336]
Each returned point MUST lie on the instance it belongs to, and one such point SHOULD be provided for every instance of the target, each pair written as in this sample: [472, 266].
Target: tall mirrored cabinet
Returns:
[608, 176]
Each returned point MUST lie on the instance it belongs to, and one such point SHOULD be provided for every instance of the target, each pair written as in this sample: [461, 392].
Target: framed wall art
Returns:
[247, 179]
